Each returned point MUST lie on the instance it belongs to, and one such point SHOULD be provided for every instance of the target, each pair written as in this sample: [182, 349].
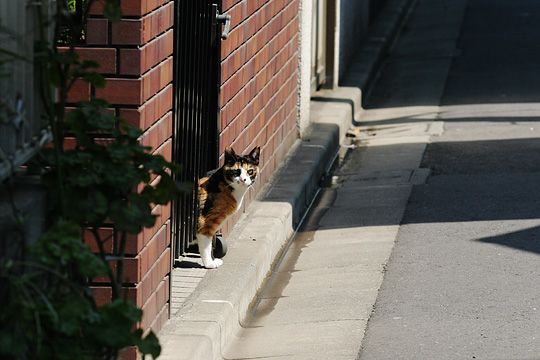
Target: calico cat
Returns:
[220, 195]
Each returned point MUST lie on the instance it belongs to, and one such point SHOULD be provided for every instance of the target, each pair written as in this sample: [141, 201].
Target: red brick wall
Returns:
[258, 99]
[259, 76]
[135, 54]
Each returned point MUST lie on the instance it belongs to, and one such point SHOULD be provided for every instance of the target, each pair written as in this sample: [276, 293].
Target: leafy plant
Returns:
[106, 177]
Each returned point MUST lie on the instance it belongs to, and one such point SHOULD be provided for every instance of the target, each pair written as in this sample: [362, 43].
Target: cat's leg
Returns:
[205, 249]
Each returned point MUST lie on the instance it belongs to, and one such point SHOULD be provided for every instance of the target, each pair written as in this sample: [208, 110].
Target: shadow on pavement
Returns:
[525, 240]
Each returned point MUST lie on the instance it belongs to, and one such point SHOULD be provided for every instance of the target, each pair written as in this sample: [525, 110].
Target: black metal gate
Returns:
[197, 76]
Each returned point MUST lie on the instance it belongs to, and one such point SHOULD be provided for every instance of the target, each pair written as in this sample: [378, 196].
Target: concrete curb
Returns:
[208, 320]
[203, 327]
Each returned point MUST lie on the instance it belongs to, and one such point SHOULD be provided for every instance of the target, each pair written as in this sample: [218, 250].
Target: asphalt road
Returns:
[463, 281]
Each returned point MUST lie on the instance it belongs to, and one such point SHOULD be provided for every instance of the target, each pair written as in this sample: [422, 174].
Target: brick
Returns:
[135, 243]
[159, 295]
[153, 250]
[80, 91]
[150, 312]
[160, 132]
[157, 22]
[227, 4]
[166, 73]
[164, 101]
[127, 32]
[132, 117]
[162, 293]
[267, 22]
[105, 57]
[106, 235]
[132, 271]
[161, 214]
[97, 32]
[158, 273]
[129, 353]
[131, 62]
[102, 295]
[138, 61]
[96, 7]
[263, 96]
[165, 150]
[133, 7]
[161, 319]
[157, 79]
[122, 91]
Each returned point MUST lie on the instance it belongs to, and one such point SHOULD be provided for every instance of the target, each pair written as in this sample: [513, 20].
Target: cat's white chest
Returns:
[239, 190]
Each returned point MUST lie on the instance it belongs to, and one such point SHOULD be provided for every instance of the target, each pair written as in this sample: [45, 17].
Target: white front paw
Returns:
[214, 264]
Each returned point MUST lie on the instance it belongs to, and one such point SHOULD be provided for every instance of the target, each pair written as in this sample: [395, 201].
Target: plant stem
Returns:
[121, 252]
[102, 254]
[53, 111]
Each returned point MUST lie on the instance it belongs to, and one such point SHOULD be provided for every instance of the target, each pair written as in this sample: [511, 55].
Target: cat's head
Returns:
[241, 169]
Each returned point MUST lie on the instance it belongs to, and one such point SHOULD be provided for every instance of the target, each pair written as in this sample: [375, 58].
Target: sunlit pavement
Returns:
[440, 197]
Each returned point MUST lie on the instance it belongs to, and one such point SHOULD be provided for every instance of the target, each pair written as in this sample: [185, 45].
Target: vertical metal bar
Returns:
[180, 118]
[176, 59]
[193, 113]
[215, 106]
[202, 78]
[176, 153]
[197, 99]
[180, 113]
[184, 116]
[187, 115]
[210, 11]
[194, 43]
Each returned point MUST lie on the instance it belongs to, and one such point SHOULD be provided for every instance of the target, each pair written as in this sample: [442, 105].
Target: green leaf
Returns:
[114, 328]
[54, 76]
[61, 246]
[86, 205]
[69, 57]
[89, 64]
[149, 345]
[72, 5]
[131, 131]
[72, 314]
[95, 79]
[112, 10]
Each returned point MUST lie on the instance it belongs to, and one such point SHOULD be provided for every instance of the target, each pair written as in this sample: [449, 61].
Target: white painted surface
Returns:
[304, 65]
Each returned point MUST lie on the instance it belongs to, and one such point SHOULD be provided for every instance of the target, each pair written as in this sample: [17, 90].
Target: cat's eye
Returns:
[250, 172]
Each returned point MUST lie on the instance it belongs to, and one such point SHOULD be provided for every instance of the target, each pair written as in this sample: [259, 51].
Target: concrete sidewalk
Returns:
[317, 303]
[208, 320]
[318, 299]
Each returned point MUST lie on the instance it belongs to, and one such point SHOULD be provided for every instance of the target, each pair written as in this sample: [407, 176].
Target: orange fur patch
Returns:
[223, 205]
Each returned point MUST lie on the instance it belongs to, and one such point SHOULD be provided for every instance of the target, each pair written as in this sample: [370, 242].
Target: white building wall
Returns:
[353, 24]
[306, 9]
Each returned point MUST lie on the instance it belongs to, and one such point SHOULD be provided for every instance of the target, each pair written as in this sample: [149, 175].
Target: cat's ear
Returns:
[254, 155]
[230, 156]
